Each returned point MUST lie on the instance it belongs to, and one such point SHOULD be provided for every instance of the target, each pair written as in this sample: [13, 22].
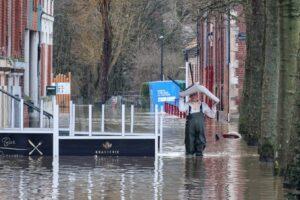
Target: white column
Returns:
[34, 67]
[123, 120]
[132, 118]
[26, 57]
[90, 120]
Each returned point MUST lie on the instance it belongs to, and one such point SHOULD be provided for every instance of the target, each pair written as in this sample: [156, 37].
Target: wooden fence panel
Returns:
[63, 100]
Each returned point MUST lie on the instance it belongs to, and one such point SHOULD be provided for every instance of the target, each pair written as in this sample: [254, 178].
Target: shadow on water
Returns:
[229, 170]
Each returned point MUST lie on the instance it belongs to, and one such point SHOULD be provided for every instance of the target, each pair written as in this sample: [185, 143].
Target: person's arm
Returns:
[209, 112]
[183, 107]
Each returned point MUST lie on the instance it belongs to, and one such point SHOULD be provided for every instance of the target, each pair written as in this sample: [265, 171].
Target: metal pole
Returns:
[22, 114]
[156, 128]
[55, 131]
[41, 114]
[132, 119]
[161, 130]
[102, 117]
[90, 120]
[161, 58]
[70, 117]
[12, 113]
[73, 120]
[123, 120]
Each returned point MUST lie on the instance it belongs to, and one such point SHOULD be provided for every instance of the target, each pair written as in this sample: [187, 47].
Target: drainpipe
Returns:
[228, 62]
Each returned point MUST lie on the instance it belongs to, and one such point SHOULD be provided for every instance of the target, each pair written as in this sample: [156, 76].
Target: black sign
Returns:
[51, 90]
[242, 36]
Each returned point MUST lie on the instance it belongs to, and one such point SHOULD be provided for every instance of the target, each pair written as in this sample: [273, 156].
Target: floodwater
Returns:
[228, 170]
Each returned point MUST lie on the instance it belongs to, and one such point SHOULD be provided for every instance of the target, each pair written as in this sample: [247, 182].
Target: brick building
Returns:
[217, 57]
[26, 31]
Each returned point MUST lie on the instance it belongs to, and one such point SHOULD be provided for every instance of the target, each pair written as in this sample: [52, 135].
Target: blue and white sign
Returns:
[63, 88]
[161, 92]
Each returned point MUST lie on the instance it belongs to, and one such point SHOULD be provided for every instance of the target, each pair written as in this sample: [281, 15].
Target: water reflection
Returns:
[228, 170]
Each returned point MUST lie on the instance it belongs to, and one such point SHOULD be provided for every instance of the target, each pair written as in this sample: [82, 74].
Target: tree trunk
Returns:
[106, 49]
[251, 103]
[289, 37]
[267, 141]
[288, 105]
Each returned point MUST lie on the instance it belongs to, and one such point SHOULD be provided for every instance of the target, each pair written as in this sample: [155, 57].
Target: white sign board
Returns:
[63, 88]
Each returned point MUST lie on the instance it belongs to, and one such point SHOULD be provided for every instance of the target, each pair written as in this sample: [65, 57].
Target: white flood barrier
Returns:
[104, 141]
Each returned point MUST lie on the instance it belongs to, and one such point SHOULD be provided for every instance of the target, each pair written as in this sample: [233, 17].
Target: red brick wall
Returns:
[18, 24]
[241, 54]
[3, 27]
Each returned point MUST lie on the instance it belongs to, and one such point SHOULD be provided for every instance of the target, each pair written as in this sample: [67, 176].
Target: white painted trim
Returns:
[27, 130]
[105, 137]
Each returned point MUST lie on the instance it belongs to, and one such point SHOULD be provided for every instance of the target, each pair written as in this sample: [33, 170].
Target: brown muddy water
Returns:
[228, 170]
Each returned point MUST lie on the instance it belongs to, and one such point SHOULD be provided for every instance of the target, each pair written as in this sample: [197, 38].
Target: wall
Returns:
[219, 63]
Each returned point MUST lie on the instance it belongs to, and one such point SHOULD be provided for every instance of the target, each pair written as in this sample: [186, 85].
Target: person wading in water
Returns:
[196, 110]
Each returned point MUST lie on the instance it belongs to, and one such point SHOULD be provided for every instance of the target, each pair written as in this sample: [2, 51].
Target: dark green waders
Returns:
[194, 133]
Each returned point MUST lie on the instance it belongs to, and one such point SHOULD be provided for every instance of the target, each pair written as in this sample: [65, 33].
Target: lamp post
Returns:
[161, 57]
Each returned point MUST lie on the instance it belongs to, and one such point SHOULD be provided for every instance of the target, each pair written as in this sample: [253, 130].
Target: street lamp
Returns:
[161, 57]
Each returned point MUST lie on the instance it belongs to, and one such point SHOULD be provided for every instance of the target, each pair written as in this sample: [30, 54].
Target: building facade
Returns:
[217, 58]
[26, 32]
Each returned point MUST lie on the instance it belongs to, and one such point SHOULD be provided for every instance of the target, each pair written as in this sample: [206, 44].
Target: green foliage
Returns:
[145, 92]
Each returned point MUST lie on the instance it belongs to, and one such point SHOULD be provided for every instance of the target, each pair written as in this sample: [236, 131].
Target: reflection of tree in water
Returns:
[194, 177]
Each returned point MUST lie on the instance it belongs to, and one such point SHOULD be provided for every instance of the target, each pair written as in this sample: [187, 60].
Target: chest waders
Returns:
[194, 133]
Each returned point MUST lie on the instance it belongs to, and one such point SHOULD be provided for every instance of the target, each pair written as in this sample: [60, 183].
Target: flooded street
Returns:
[228, 170]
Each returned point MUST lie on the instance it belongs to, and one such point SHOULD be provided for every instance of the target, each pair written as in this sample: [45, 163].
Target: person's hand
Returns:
[181, 95]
